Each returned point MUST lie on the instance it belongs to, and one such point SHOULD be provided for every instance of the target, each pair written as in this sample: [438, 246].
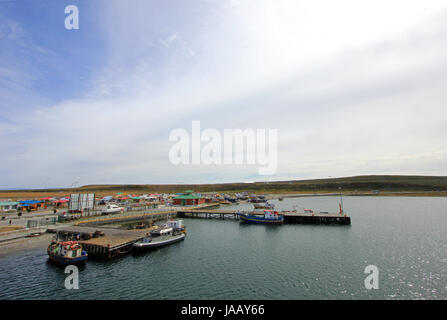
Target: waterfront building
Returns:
[61, 203]
[31, 205]
[6, 206]
[188, 198]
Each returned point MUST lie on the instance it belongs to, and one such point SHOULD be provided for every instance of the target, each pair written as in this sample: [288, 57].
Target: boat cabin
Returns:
[270, 214]
[175, 224]
[71, 249]
[162, 232]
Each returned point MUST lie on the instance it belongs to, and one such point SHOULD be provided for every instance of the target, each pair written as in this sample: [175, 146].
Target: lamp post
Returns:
[341, 200]
[73, 185]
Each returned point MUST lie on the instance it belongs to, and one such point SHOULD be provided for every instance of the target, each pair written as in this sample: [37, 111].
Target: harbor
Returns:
[100, 239]
[240, 151]
[295, 261]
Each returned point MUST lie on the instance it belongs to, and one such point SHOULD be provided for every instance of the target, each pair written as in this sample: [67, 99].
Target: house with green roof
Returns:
[188, 198]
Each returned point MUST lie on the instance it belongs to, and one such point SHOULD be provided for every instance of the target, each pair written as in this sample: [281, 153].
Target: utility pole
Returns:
[341, 201]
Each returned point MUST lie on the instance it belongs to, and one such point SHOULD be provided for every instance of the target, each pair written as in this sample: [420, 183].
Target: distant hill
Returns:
[392, 183]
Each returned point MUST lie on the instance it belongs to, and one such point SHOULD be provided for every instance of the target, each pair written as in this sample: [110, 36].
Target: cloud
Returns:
[352, 89]
[168, 40]
[10, 30]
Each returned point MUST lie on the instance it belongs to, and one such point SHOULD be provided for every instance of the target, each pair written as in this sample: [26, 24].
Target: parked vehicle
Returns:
[112, 208]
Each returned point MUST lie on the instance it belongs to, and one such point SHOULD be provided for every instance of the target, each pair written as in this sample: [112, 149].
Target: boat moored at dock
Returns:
[171, 232]
[263, 205]
[66, 252]
[268, 217]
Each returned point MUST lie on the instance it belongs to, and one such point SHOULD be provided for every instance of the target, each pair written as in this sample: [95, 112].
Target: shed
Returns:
[8, 206]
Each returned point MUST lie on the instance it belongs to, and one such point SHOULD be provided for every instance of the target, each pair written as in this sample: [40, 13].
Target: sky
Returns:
[352, 87]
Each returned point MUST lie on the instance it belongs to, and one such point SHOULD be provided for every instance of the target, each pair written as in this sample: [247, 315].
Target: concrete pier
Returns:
[320, 218]
[289, 216]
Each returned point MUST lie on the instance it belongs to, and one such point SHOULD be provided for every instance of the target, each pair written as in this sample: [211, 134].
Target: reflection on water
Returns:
[225, 259]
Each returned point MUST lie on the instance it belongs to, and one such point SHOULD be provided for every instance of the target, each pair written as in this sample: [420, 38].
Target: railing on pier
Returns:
[127, 215]
[41, 222]
[289, 216]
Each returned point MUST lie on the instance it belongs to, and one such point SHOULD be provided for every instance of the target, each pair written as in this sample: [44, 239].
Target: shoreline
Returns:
[274, 193]
[16, 245]
[11, 247]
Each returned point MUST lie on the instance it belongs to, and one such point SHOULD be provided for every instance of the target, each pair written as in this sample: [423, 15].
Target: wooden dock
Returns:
[114, 242]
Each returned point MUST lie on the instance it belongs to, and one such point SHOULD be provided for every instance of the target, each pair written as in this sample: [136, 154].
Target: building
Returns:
[6, 206]
[61, 203]
[135, 198]
[30, 205]
[188, 198]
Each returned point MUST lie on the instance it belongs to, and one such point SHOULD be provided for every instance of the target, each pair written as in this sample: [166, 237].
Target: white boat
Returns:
[172, 232]
[263, 205]
[112, 208]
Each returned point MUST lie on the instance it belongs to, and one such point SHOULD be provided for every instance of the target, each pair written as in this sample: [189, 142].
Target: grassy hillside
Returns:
[357, 183]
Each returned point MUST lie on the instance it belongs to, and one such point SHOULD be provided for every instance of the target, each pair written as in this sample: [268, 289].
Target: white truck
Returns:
[112, 208]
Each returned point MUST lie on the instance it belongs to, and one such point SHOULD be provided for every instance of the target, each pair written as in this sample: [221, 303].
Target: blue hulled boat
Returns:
[269, 217]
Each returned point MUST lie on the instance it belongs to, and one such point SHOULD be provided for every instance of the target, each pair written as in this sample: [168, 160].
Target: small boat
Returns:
[171, 232]
[66, 252]
[230, 199]
[263, 205]
[269, 217]
[280, 198]
[32, 235]
[257, 199]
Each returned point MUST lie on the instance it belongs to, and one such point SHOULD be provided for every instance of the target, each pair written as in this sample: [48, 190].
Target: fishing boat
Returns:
[268, 217]
[171, 232]
[66, 252]
[231, 199]
[33, 235]
[263, 205]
